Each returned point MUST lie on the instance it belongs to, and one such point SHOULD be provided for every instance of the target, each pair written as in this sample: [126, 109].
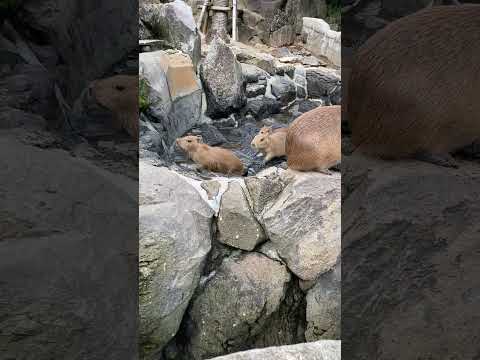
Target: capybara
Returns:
[414, 88]
[271, 143]
[210, 158]
[314, 140]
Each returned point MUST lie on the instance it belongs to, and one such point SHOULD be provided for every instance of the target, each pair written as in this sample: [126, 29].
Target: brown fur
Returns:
[270, 142]
[314, 140]
[214, 159]
[120, 95]
[415, 85]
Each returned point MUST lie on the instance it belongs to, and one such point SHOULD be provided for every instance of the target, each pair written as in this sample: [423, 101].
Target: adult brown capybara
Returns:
[314, 140]
[414, 88]
[119, 94]
[211, 158]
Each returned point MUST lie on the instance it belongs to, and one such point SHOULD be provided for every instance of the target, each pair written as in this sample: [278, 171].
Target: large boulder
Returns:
[174, 23]
[410, 238]
[303, 222]
[321, 40]
[324, 307]
[223, 80]
[68, 269]
[62, 25]
[235, 305]
[283, 88]
[324, 83]
[253, 73]
[172, 92]
[174, 240]
[236, 224]
[320, 350]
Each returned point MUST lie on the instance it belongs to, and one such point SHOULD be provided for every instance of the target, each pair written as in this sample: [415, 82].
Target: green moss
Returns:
[143, 102]
[334, 14]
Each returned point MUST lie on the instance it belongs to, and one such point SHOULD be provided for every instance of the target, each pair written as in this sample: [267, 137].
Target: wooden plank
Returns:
[234, 21]
[220, 8]
[204, 7]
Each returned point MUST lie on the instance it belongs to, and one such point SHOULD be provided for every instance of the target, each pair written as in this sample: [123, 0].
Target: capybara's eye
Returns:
[119, 87]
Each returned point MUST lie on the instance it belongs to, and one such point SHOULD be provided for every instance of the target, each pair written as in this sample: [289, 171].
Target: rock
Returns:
[300, 79]
[320, 350]
[324, 307]
[235, 305]
[314, 8]
[423, 273]
[400, 9]
[175, 238]
[143, 32]
[212, 187]
[210, 134]
[264, 188]
[254, 90]
[223, 80]
[14, 118]
[172, 91]
[281, 52]
[307, 105]
[61, 23]
[283, 36]
[68, 270]
[253, 73]
[150, 139]
[248, 55]
[289, 59]
[262, 107]
[322, 82]
[30, 89]
[236, 224]
[283, 88]
[285, 69]
[311, 61]
[174, 23]
[321, 40]
[304, 222]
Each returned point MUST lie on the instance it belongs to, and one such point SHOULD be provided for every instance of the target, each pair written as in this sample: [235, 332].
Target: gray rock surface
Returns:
[323, 82]
[173, 92]
[324, 307]
[62, 23]
[223, 80]
[236, 224]
[254, 90]
[68, 271]
[235, 305]
[253, 73]
[283, 88]
[411, 234]
[174, 23]
[321, 40]
[304, 223]
[175, 238]
[261, 107]
[320, 350]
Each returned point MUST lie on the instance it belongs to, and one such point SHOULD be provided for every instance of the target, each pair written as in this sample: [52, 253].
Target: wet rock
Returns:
[174, 23]
[172, 91]
[307, 105]
[320, 350]
[223, 80]
[262, 107]
[175, 238]
[236, 225]
[210, 134]
[304, 223]
[235, 305]
[253, 73]
[324, 307]
[321, 40]
[254, 90]
[283, 88]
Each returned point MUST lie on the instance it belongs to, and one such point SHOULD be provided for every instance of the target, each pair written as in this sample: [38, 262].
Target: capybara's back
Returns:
[314, 140]
[415, 85]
